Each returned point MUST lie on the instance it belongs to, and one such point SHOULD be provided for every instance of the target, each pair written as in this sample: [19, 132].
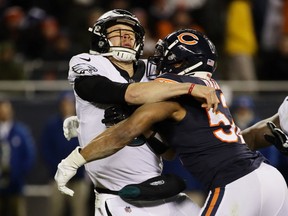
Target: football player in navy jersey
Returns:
[105, 81]
[208, 143]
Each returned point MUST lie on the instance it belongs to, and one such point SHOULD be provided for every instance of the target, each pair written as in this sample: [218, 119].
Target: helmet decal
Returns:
[187, 36]
[184, 52]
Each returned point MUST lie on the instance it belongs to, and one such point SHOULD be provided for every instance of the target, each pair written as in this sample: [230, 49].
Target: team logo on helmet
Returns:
[83, 68]
[188, 38]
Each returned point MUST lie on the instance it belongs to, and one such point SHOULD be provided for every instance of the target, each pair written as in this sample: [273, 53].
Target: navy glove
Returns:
[115, 114]
[279, 138]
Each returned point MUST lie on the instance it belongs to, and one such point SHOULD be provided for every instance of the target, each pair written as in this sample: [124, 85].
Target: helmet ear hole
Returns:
[103, 45]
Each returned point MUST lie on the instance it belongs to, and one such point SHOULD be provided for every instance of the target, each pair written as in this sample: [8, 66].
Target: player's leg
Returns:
[241, 197]
[262, 192]
[182, 205]
[179, 205]
[274, 191]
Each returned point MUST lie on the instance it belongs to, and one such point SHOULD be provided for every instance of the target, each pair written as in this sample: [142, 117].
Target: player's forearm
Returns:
[141, 93]
[254, 135]
[98, 151]
[121, 134]
[113, 139]
[106, 144]
[149, 92]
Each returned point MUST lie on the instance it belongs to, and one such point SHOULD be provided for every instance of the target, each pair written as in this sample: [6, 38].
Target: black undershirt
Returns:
[100, 89]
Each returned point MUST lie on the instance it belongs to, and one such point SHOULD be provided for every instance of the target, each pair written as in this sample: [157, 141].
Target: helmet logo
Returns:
[97, 28]
[193, 38]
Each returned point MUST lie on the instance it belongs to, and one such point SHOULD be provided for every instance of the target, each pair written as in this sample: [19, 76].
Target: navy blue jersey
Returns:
[208, 144]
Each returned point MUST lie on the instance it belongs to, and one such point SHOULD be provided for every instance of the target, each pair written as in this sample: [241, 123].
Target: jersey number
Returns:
[233, 135]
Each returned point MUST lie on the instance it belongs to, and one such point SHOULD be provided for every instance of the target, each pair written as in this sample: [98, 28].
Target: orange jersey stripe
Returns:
[213, 202]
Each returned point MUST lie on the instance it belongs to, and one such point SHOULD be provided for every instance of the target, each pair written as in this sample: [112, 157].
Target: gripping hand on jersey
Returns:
[70, 126]
[279, 138]
[207, 96]
[67, 169]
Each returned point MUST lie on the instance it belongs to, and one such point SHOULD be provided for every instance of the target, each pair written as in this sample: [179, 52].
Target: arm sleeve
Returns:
[100, 89]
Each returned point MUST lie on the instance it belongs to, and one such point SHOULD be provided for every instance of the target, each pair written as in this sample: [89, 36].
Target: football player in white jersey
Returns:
[104, 82]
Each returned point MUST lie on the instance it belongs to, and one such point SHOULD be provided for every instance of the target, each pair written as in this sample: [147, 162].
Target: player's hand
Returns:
[67, 169]
[279, 138]
[207, 96]
[70, 126]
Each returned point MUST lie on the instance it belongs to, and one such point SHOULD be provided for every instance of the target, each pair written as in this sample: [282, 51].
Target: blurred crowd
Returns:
[20, 153]
[37, 38]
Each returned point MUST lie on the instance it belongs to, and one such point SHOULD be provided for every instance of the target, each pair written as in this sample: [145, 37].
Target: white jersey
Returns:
[283, 115]
[130, 165]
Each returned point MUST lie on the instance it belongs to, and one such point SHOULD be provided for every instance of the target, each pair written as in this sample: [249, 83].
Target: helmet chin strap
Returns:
[187, 70]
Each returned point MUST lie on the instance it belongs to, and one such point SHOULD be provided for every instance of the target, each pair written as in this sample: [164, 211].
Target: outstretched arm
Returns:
[89, 88]
[150, 92]
[274, 129]
[116, 137]
[254, 135]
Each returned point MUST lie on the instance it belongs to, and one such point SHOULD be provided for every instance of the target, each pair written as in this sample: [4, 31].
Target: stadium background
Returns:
[35, 97]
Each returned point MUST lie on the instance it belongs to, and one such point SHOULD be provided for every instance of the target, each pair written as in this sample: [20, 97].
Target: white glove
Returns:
[67, 169]
[70, 126]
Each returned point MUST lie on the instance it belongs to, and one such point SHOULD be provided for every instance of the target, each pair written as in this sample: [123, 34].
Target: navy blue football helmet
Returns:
[184, 52]
[100, 44]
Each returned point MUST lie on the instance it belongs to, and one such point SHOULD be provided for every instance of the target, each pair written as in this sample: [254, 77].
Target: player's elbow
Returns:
[136, 94]
[132, 97]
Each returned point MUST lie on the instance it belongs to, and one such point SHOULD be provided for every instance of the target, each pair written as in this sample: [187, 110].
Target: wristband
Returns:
[191, 88]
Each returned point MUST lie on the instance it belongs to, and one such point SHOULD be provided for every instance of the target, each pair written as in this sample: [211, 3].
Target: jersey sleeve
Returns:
[283, 115]
[91, 81]
[83, 65]
[99, 89]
